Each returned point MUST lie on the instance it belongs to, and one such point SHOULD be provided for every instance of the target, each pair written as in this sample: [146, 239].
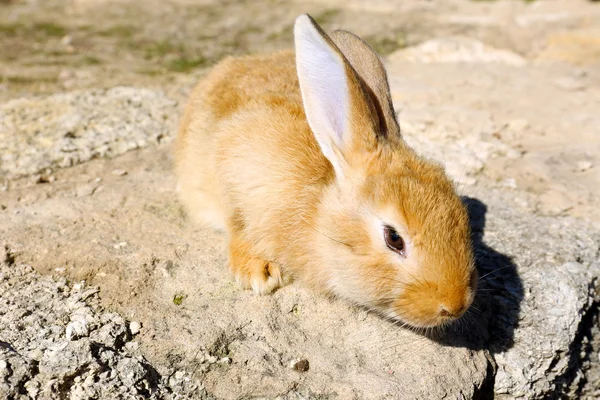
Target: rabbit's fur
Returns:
[299, 157]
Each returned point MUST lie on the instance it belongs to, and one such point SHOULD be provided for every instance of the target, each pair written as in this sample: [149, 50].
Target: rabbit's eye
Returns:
[393, 240]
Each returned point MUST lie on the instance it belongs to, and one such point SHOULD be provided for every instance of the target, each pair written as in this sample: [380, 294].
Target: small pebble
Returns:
[77, 329]
[135, 327]
[120, 245]
[584, 165]
[211, 359]
[518, 125]
[36, 354]
[119, 172]
[300, 364]
[179, 375]
[3, 365]
[87, 190]
[33, 388]
[66, 40]
[510, 183]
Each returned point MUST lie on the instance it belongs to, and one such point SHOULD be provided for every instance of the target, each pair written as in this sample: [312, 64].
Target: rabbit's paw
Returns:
[251, 272]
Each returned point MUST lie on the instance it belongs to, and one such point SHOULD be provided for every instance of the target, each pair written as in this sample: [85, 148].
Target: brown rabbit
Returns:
[301, 161]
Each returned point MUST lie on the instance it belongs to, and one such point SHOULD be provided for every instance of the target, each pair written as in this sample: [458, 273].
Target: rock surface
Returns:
[39, 360]
[537, 294]
[41, 134]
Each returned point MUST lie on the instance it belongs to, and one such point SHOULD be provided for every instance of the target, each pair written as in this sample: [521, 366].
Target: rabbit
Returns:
[300, 159]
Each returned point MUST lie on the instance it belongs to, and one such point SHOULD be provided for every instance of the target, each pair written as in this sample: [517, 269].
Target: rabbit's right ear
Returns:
[325, 93]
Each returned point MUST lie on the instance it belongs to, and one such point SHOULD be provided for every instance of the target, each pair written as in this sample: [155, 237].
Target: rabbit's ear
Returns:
[324, 83]
[371, 71]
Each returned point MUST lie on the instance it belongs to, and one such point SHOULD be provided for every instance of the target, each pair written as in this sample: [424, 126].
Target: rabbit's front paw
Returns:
[260, 275]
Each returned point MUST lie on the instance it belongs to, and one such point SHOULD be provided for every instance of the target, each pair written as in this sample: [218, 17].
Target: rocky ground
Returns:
[107, 291]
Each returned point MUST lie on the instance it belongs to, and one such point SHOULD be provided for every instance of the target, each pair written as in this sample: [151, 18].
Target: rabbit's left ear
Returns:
[370, 69]
[322, 73]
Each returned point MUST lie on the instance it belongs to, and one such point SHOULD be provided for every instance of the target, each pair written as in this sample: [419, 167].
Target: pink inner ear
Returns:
[324, 87]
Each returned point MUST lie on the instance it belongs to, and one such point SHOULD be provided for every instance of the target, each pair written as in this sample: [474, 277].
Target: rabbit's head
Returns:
[392, 233]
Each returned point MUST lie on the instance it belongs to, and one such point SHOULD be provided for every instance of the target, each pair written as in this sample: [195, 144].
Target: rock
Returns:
[74, 367]
[119, 245]
[66, 129]
[134, 327]
[77, 329]
[545, 355]
[119, 172]
[569, 83]
[577, 46]
[525, 337]
[583, 166]
[66, 359]
[299, 364]
[86, 190]
[457, 49]
[130, 371]
[537, 345]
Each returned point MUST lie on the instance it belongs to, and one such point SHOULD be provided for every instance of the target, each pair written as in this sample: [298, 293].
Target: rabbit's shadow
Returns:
[491, 320]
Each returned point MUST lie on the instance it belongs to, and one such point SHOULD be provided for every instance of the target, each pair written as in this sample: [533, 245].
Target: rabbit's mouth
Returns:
[422, 305]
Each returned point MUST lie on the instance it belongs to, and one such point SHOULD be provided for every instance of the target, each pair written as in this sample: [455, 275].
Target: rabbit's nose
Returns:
[452, 310]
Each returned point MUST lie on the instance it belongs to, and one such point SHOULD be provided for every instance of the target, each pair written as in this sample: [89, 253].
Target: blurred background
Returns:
[52, 45]
[512, 85]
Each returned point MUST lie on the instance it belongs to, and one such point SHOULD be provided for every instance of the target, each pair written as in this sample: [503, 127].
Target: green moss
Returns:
[178, 298]
[386, 45]
[286, 33]
[251, 29]
[161, 49]
[150, 71]
[91, 60]
[10, 29]
[326, 16]
[49, 29]
[122, 31]
[184, 64]
[26, 80]
[38, 29]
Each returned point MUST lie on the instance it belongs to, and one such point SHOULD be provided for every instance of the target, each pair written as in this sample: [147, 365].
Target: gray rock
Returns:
[459, 49]
[541, 300]
[62, 130]
[67, 359]
[75, 367]
[532, 332]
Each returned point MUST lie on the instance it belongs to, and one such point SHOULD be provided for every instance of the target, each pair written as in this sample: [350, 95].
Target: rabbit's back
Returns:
[244, 145]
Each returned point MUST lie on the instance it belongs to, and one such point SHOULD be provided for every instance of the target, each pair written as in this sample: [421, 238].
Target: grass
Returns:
[386, 45]
[50, 29]
[150, 71]
[10, 29]
[37, 29]
[122, 31]
[90, 60]
[184, 64]
[26, 80]
[161, 48]
[172, 56]
[178, 298]
[326, 16]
